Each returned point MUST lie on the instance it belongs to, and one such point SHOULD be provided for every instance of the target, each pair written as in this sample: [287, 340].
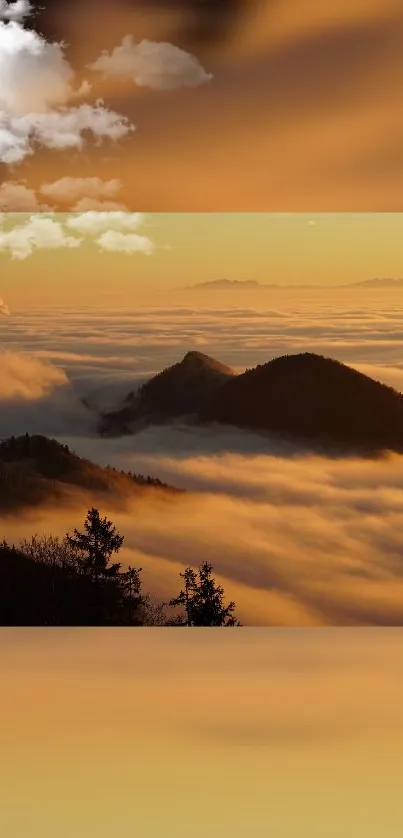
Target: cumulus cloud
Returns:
[161, 66]
[15, 11]
[72, 188]
[73, 193]
[115, 240]
[85, 194]
[95, 223]
[37, 86]
[17, 197]
[58, 129]
[38, 233]
[35, 74]
[111, 230]
[115, 230]
[4, 309]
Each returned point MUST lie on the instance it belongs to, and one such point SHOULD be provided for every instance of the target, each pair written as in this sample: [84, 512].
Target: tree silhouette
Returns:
[97, 543]
[203, 600]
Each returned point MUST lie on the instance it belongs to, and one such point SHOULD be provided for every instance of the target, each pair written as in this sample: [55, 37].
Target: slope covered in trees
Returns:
[312, 398]
[34, 469]
[74, 581]
[178, 390]
[303, 397]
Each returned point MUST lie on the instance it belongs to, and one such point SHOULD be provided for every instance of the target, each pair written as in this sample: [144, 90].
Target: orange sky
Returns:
[296, 249]
[304, 112]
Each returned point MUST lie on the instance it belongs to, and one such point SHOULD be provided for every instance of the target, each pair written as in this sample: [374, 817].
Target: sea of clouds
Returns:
[295, 538]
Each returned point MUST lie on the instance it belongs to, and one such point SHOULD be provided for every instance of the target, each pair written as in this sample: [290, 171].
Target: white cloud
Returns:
[37, 83]
[116, 230]
[36, 234]
[17, 197]
[113, 231]
[4, 309]
[115, 240]
[15, 11]
[81, 195]
[35, 74]
[73, 188]
[85, 194]
[93, 223]
[161, 66]
[61, 129]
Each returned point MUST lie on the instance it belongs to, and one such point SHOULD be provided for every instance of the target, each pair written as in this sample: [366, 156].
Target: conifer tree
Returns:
[98, 542]
[203, 600]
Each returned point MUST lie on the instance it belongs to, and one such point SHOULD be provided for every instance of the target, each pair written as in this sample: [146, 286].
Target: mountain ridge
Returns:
[302, 396]
[178, 390]
[35, 469]
[253, 284]
[307, 396]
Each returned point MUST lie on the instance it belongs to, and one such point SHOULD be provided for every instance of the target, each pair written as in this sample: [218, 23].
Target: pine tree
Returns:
[98, 542]
[203, 600]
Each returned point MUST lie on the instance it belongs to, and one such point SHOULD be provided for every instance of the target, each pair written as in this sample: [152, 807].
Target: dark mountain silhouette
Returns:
[309, 397]
[34, 469]
[38, 593]
[305, 398]
[180, 390]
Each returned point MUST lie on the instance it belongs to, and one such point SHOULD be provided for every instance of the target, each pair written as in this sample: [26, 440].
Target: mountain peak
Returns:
[308, 396]
[193, 355]
[198, 360]
[179, 390]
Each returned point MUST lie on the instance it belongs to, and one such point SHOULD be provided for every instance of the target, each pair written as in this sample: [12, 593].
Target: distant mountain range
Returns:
[303, 397]
[252, 284]
[377, 283]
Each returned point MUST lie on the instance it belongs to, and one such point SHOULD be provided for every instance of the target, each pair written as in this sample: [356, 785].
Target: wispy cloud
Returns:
[161, 66]
[71, 188]
[94, 223]
[75, 194]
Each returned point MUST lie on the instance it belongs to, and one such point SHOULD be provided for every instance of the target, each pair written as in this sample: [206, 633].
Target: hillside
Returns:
[35, 593]
[178, 390]
[309, 397]
[34, 469]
